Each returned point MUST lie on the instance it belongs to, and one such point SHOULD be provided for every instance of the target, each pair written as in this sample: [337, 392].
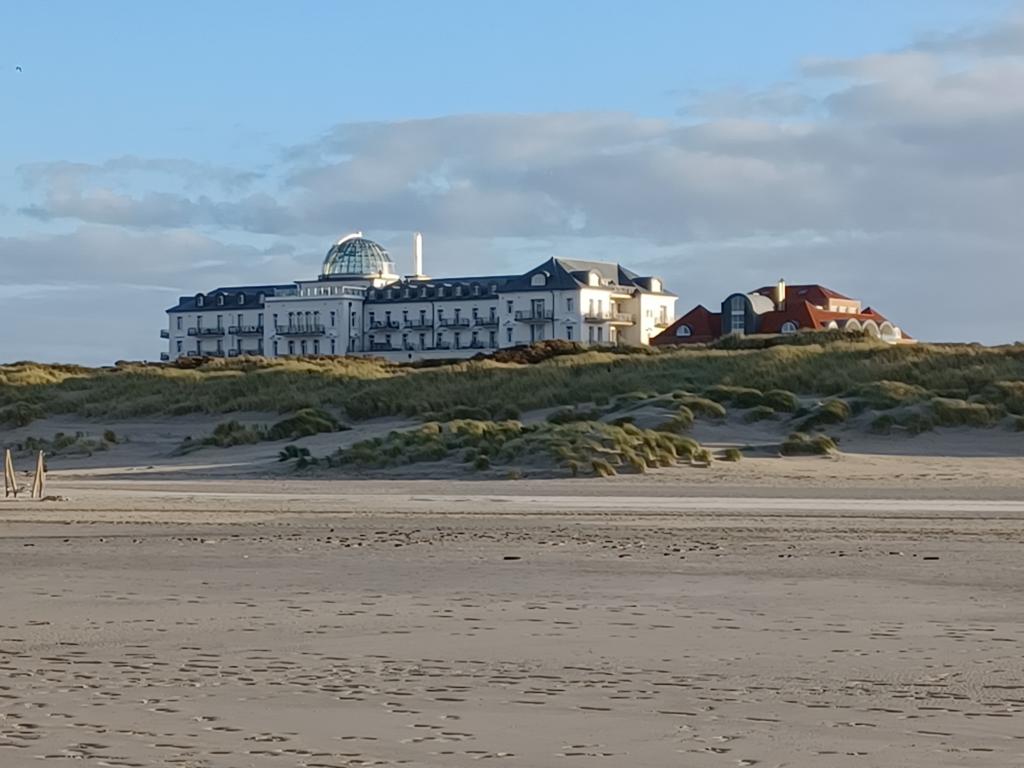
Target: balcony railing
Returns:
[534, 315]
[383, 346]
[453, 322]
[305, 329]
[205, 331]
[165, 334]
[485, 321]
[391, 325]
[423, 324]
[246, 330]
[621, 318]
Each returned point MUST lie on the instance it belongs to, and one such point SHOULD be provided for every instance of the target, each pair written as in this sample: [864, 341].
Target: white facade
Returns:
[360, 306]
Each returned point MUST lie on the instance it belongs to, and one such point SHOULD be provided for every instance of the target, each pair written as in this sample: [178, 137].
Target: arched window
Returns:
[220, 299]
[241, 298]
[200, 299]
[789, 327]
[684, 331]
[539, 279]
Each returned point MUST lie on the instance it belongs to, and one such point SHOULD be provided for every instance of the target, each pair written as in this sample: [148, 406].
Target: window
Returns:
[220, 322]
[275, 349]
[179, 346]
[199, 321]
[568, 304]
[220, 300]
[789, 327]
[238, 320]
[476, 313]
[600, 334]
[493, 339]
[291, 347]
[241, 298]
[333, 317]
[590, 334]
[539, 279]
[371, 319]
[316, 318]
[508, 334]
[179, 322]
[200, 300]
[316, 346]
[405, 316]
[737, 314]
[474, 339]
[684, 331]
[303, 342]
[423, 341]
[332, 347]
[509, 305]
[262, 296]
[568, 332]
[457, 336]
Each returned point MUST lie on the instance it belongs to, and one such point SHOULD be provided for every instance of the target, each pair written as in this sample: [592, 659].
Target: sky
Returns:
[154, 150]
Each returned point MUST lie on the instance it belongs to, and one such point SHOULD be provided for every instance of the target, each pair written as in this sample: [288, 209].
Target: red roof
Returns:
[704, 325]
[814, 293]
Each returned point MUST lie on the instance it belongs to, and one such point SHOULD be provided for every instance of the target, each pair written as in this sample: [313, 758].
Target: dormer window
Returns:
[220, 299]
[593, 278]
[200, 299]
[263, 297]
[476, 289]
[458, 290]
[539, 279]
[241, 298]
[494, 287]
[684, 331]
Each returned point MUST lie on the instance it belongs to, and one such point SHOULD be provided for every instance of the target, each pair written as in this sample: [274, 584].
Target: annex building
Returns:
[780, 308]
[360, 305]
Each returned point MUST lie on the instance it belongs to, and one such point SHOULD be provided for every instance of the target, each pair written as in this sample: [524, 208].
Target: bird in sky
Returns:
[17, 69]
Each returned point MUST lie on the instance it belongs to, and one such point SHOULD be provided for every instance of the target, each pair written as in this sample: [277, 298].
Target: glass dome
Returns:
[355, 256]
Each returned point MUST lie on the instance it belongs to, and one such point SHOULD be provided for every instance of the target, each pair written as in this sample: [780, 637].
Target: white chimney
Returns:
[417, 254]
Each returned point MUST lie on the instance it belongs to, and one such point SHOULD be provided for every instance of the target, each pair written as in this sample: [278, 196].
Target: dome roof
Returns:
[355, 256]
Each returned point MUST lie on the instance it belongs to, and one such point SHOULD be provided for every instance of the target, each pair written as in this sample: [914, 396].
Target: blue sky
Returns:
[235, 115]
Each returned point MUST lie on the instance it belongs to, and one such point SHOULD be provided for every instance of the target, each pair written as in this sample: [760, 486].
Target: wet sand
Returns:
[629, 623]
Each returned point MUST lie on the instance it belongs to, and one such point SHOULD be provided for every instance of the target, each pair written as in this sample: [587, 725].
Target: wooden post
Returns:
[39, 481]
[10, 481]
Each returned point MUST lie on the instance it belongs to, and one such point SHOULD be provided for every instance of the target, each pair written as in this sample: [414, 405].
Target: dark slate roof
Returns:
[252, 294]
[484, 281]
[571, 274]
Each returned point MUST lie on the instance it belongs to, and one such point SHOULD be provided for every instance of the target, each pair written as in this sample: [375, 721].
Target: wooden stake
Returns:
[39, 481]
[10, 481]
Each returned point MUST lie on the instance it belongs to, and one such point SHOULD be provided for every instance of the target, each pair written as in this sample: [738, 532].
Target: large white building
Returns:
[359, 305]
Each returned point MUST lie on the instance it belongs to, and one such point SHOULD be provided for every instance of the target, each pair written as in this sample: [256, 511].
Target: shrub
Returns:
[109, 436]
[292, 452]
[741, 397]
[602, 468]
[781, 400]
[681, 421]
[760, 413]
[20, 414]
[567, 415]
[701, 406]
[829, 412]
[304, 422]
[1008, 394]
[883, 395]
[732, 454]
[802, 444]
[233, 432]
[702, 456]
[960, 413]
[914, 421]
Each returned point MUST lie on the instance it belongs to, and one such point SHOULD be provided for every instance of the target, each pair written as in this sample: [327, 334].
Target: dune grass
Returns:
[802, 444]
[580, 447]
[365, 388]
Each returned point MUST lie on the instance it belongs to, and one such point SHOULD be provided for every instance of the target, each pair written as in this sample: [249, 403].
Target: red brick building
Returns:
[780, 308]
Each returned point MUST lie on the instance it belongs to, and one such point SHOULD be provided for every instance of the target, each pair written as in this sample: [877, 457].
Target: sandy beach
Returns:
[862, 611]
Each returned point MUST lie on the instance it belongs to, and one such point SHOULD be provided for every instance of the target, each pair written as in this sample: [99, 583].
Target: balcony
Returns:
[535, 315]
[420, 325]
[305, 329]
[165, 334]
[164, 356]
[662, 322]
[615, 318]
[485, 321]
[205, 331]
[453, 322]
[384, 325]
[383, 346]
[246, 330]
